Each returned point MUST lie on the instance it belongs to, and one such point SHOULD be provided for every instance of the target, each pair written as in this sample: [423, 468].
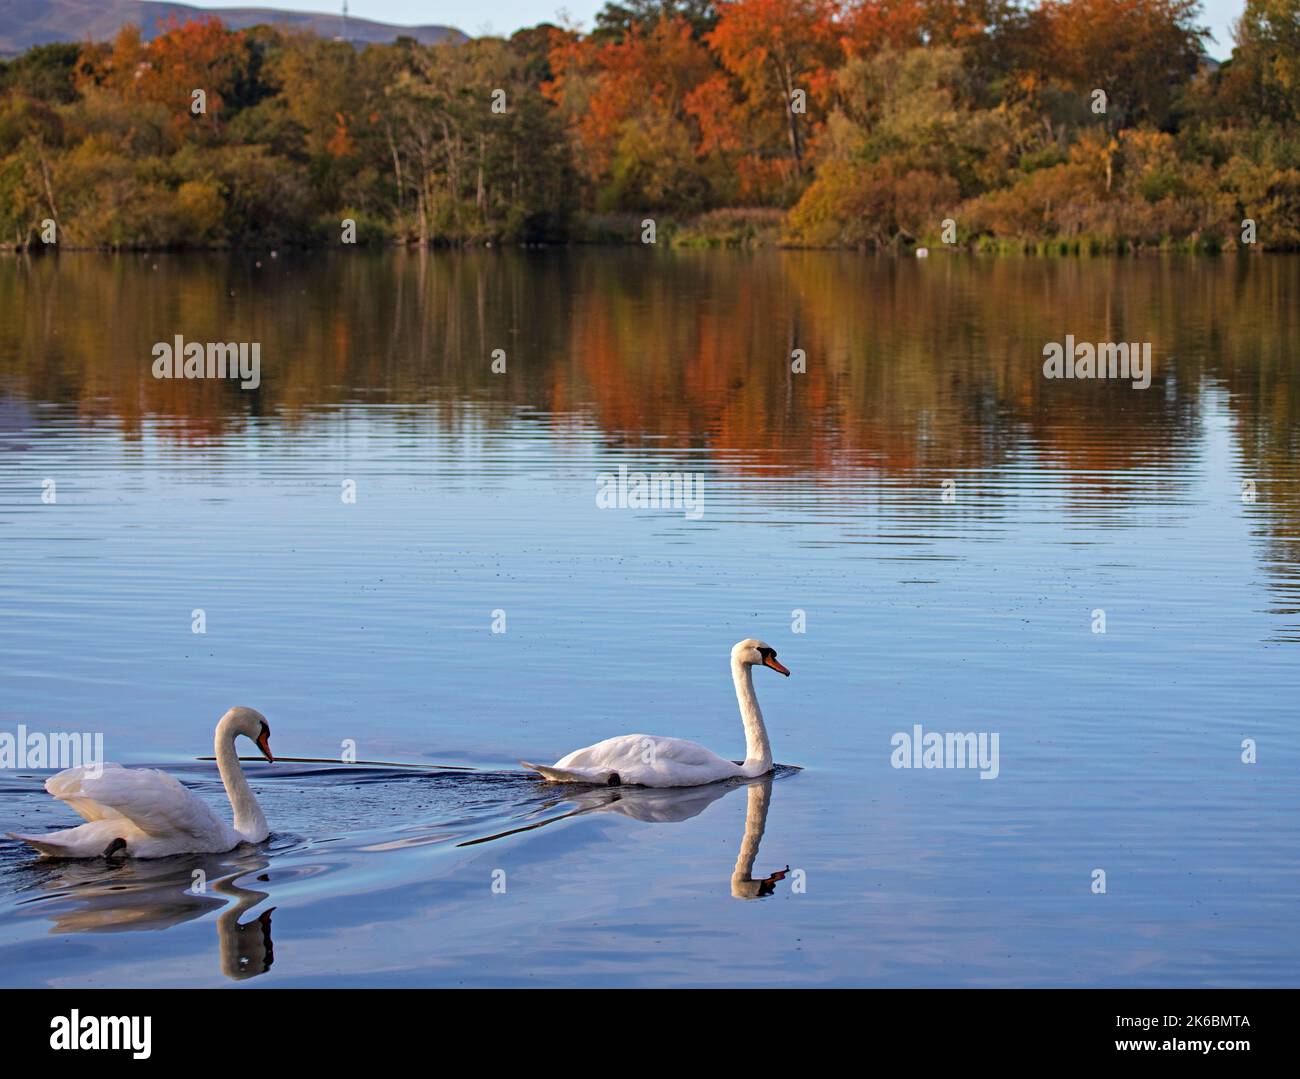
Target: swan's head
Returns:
[752, 652]
[252, 725]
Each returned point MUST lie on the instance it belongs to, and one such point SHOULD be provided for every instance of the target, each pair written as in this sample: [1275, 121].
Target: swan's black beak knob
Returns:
[770, 660]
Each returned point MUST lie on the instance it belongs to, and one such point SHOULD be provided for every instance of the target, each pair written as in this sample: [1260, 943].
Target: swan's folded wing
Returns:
[642, 759]
[66, 786]
[681, 751]
[153, 801]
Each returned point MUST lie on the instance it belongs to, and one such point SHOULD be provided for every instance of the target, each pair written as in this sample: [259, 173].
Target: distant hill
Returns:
[24, 23]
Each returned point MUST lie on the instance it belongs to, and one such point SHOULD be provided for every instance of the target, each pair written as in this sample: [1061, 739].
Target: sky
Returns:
[507, 16]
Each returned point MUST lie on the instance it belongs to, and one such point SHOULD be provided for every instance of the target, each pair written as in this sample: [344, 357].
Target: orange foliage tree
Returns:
[781, 53]
[1138, 51]
[627, 105]
[189, 56]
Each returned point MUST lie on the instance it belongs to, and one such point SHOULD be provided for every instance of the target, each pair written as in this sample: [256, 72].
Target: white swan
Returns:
[144, 813]
[649, 761]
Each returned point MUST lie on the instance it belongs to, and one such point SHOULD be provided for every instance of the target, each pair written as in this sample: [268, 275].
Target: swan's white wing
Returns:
[628, 750]
[153, 801]
[644, 759]
[66, 786]
[680, 751]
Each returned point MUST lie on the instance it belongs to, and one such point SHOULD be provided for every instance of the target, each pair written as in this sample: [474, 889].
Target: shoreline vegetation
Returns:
[1068, 127]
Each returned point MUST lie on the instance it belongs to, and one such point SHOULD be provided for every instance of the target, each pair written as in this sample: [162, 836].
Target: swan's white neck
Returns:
[758, 753]
[250, 822]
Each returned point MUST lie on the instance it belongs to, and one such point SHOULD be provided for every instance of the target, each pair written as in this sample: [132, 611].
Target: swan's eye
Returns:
[266, 731]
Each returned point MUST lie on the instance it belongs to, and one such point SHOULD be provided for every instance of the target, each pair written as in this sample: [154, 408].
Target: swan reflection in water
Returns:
[743, 883]
[157, 894]
[670, 805]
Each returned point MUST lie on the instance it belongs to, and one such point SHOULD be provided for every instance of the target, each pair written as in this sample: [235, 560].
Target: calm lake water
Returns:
[963, 606]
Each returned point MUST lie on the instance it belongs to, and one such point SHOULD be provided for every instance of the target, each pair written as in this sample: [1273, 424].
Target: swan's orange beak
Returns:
[264, 744]
[770, 661]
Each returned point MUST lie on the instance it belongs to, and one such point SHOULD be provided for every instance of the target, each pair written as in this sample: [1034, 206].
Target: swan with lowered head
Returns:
[649, 761]
[144, 813]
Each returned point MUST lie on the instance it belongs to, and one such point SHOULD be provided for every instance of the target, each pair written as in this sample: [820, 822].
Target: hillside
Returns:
[24, 23]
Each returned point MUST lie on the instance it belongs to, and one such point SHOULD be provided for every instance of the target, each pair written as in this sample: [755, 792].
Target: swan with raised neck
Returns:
[653, 761]
[145, 813]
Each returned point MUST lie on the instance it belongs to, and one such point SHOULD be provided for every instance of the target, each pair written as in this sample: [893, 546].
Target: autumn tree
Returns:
[188, 57]
[616, 20]
[30, 134]
[47, 72]
[1263, 77]
[627, 101]
[780, 52]
[901, 150]
[479, 152]
[1141, 53]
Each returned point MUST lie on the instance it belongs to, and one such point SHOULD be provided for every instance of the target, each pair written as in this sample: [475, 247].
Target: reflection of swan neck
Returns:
[758, 752]
[743, 885]
[246, 950]
[250, 822]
